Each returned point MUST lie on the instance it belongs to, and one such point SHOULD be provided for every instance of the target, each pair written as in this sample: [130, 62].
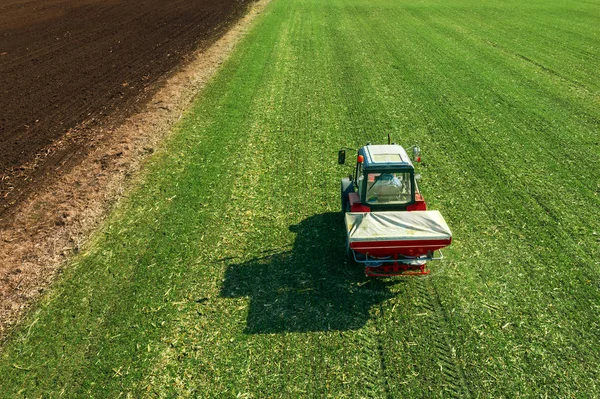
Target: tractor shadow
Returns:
[312, 287]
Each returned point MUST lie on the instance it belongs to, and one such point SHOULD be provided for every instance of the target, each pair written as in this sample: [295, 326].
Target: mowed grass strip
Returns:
[224, 275]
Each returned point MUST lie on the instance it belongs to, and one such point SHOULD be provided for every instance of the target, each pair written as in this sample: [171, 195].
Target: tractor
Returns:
[388, 227]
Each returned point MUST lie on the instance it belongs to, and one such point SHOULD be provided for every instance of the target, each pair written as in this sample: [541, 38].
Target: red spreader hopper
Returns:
[393, 243]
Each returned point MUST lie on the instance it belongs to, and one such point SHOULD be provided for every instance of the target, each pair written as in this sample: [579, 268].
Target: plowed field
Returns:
[68, 64]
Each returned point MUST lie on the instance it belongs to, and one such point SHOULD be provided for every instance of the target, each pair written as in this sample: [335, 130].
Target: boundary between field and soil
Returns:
[46, 229]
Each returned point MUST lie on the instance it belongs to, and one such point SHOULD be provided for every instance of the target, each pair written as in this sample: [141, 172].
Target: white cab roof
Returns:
[386, 155]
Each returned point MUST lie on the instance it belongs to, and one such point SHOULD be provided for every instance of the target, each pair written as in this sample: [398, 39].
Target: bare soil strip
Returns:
[46, 228]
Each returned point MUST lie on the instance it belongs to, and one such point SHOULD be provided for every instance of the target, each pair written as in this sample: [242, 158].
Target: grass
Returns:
[223, 273]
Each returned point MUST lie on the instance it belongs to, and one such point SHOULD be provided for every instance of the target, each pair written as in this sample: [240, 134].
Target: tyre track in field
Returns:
[373, 366]
[452, 377]
[376, 354]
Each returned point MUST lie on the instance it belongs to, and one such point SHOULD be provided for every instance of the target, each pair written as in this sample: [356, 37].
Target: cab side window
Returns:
[359, 179]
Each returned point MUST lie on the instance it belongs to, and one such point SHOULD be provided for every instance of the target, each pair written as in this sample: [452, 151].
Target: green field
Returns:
[222, 274]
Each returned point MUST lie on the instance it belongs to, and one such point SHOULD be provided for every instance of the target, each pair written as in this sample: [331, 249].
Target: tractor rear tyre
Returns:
[347, 188]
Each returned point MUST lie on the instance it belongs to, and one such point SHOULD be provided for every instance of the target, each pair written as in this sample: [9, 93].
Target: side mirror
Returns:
[342, 157]
[416, 154]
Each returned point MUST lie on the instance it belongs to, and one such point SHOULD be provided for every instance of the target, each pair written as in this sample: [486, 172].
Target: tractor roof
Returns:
[385, 156]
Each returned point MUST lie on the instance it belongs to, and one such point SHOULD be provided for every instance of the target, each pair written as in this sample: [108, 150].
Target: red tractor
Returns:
[388, 226]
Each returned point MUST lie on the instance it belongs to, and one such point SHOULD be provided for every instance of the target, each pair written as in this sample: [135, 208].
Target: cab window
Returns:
[359, 178]
[388, 188]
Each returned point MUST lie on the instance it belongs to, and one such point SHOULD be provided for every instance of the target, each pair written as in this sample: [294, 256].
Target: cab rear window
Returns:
[389, 188]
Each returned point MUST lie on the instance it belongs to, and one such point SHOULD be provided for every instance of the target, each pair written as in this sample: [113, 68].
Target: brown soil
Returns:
[89, 89]
[68, 62]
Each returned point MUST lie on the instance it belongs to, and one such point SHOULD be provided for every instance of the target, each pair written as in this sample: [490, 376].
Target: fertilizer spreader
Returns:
[388, 226]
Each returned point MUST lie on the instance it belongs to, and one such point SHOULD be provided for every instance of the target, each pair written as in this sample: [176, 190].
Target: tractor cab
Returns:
[384, 180]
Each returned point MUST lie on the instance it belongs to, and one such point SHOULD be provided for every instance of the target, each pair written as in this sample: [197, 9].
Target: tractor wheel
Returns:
[347, 188]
